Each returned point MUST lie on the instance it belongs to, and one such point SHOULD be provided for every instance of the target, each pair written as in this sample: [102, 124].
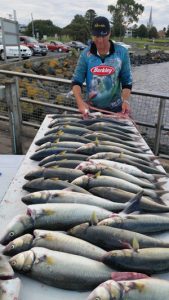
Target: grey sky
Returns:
[61, 12]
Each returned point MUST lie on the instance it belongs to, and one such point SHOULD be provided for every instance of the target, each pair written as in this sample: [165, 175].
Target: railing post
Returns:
[159, 126]
[15, 117]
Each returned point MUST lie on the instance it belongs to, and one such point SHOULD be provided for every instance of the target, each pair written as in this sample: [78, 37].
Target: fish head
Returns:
[23, 261]
[18, 225]
[79, 230]
[19, 244]
[86, 149]
[109, 290]
[81, 181]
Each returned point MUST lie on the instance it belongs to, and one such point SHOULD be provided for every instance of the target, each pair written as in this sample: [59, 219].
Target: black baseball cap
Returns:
[100, 26]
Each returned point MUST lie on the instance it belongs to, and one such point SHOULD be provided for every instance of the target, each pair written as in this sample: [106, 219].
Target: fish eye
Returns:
[11, 233]
[13, 262]
[97, 298]
[12, 246]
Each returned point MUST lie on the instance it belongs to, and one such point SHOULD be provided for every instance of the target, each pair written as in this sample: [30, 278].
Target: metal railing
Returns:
[31, 97]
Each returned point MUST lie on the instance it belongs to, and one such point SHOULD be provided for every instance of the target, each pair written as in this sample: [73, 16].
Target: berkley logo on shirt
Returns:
[102, 70]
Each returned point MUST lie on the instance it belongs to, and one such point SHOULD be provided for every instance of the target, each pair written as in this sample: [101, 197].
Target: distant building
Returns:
[128, 33]
[150, 21]
[161, 34]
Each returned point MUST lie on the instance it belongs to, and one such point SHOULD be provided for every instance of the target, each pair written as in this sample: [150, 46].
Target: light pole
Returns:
[33, 30]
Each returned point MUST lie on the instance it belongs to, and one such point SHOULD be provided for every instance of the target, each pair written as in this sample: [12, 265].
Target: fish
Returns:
[67, 156]
[60, 173]
[41, 184]
[59, 241]
[143, 223]
[106, 137]
[6, 272]
[114, 156]
[62, 216]
[20, 244]
[141, 289]
[92, 148]
[65, 144]
[56, 121]
[132, 170]
[133, 148]
[68, 129]
[19, 225]
[64, 270]
[108, 170]
[88, 182]
[61, 137]
[64, 163]
[111, 238]
[145, 204]
[88, 122]
[68, 196]
[103, 126]
[147, 260]
[10, 289]
[49, 151]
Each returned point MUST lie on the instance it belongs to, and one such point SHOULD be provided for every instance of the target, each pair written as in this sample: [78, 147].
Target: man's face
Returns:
[101, 41]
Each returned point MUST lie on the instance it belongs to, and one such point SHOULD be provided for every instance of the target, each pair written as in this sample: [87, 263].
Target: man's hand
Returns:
[125, 107]
[84, 109]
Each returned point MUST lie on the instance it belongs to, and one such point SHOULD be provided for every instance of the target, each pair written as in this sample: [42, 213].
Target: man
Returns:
[106, 68]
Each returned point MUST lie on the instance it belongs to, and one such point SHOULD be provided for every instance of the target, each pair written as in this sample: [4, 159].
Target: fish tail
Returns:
[160, 184]
[161, 192]
[133, 204]
[118, 276]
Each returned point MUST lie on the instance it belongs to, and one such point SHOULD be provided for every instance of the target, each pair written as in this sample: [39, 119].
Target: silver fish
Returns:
[59, 241]
[110, 238]
[19, 244]
[142, 289]
[10, 289]
[147, 260]
[64, 270]
[6, 272]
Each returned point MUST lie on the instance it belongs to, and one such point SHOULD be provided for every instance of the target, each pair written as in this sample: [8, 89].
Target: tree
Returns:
[77, 29]
[89, 17]
[43, 27]
[125, 12]
[152, 33]
[142, 31]
[167, 32]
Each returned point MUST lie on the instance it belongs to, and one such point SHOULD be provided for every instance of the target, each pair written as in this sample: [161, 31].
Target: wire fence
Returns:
[40, 95]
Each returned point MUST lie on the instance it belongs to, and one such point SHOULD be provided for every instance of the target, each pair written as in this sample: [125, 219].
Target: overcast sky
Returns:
[61, 12]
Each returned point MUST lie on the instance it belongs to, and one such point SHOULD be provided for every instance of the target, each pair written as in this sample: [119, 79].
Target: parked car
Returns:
[77, 45]
[57, 46]
[34, 45]
[13, 51]
[123, 44]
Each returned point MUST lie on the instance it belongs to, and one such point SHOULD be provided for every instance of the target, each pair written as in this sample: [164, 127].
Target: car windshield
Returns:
[31, 40]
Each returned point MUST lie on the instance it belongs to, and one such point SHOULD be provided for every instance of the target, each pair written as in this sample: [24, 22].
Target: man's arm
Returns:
[82, 105]
[125, 100]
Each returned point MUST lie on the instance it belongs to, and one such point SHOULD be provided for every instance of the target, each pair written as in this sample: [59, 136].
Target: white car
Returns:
[13, 51]
[123, 44]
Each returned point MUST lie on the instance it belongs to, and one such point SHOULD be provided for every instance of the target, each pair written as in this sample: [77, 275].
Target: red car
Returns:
[57, 46]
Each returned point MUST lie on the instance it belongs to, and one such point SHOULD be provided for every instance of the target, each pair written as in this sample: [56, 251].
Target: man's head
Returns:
[100, 27]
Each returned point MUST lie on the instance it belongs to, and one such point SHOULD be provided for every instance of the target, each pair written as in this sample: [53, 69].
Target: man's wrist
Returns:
[125, 101]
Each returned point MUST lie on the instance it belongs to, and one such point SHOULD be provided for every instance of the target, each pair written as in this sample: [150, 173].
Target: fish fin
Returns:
[96, 175]
[48, 211]
[160, 184]
[60, 132]
[57, 140]
[135, 244]
[159, 176]
[96, 141]
[133, 204]
[121, 155]
[161, 192]
[54, 178]
[94, 219]
[62, 152]
[54, 167]
[119, 276]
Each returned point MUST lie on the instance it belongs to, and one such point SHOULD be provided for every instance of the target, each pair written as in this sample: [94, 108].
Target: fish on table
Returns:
[65, 270]
[141, 289]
